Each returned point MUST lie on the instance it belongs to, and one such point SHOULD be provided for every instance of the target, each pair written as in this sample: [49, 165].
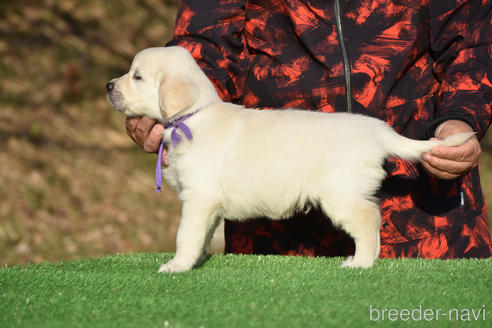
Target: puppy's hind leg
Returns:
[361, 220]
[197, 220]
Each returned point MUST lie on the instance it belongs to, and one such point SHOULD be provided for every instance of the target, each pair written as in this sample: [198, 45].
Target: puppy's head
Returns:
[161, 83]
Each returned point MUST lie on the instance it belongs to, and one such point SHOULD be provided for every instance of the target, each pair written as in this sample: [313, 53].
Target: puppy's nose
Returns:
[109, 87]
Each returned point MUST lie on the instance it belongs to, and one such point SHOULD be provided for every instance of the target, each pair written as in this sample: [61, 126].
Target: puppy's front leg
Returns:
[197, 218]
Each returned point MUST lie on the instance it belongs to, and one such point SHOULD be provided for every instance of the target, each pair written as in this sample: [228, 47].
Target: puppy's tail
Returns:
[410, 149]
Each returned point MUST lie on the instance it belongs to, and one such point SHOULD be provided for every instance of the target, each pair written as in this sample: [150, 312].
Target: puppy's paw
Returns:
[352, 262]
[174, 266]
[347, 262]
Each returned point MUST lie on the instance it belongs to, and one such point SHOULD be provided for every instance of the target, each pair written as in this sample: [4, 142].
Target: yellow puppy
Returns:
[226, 161]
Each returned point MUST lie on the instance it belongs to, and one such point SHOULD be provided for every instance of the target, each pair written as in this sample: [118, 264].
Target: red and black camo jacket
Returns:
[413, 64]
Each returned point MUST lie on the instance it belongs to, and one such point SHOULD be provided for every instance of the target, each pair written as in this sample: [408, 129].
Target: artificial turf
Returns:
[246, 291]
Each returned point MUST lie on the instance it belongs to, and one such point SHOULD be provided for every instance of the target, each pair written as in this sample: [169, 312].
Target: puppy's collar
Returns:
[177, 124]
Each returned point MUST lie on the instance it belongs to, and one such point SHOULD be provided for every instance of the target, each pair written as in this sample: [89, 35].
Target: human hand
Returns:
[448, 163]
[147, 133]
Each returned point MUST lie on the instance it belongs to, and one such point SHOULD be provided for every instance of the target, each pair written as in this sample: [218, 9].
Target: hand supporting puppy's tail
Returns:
[410, 149]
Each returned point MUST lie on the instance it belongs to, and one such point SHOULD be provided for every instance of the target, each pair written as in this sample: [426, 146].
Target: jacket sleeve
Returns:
[461, 46]
[212, 31]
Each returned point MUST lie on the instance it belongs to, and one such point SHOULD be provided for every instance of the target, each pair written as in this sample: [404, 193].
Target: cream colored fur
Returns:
[245, 163]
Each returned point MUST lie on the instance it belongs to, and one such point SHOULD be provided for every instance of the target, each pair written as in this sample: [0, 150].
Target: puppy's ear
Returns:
[175, 94]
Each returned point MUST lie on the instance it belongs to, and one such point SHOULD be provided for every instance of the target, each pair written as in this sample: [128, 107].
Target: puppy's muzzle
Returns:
[115, 97]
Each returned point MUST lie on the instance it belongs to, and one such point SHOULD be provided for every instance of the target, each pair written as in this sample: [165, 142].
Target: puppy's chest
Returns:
[174, 170]
[170, 174]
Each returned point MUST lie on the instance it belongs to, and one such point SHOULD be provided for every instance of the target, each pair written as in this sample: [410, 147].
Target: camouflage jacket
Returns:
[413, 64]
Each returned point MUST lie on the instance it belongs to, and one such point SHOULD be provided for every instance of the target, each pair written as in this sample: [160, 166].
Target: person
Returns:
[423, 67]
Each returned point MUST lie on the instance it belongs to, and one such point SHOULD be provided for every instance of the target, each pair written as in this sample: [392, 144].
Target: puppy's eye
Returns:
[137, 76]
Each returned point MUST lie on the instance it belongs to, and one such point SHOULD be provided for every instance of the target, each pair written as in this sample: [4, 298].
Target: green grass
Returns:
[241, 291]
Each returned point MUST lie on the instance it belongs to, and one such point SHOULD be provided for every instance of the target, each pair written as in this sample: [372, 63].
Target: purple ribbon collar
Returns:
[176, 139]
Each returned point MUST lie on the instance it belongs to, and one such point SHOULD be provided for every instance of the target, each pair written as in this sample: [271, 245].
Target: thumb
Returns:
[151, 144]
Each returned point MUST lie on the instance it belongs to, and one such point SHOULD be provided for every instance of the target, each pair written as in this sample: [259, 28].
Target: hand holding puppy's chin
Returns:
[147, 133]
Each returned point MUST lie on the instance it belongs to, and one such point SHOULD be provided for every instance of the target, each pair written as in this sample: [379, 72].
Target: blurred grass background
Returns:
[72, 184]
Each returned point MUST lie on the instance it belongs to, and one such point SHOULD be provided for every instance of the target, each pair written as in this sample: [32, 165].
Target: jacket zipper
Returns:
[346, 63]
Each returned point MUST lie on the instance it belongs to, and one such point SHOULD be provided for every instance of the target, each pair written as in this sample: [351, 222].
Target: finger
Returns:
[154, 138]
[438, 173]
[165, 160]
[448, 166]
[143, 129]
[452, 154]
[468, 152]
[131, 125]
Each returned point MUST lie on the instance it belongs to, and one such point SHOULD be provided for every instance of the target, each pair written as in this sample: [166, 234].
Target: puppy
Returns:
[227, 161]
